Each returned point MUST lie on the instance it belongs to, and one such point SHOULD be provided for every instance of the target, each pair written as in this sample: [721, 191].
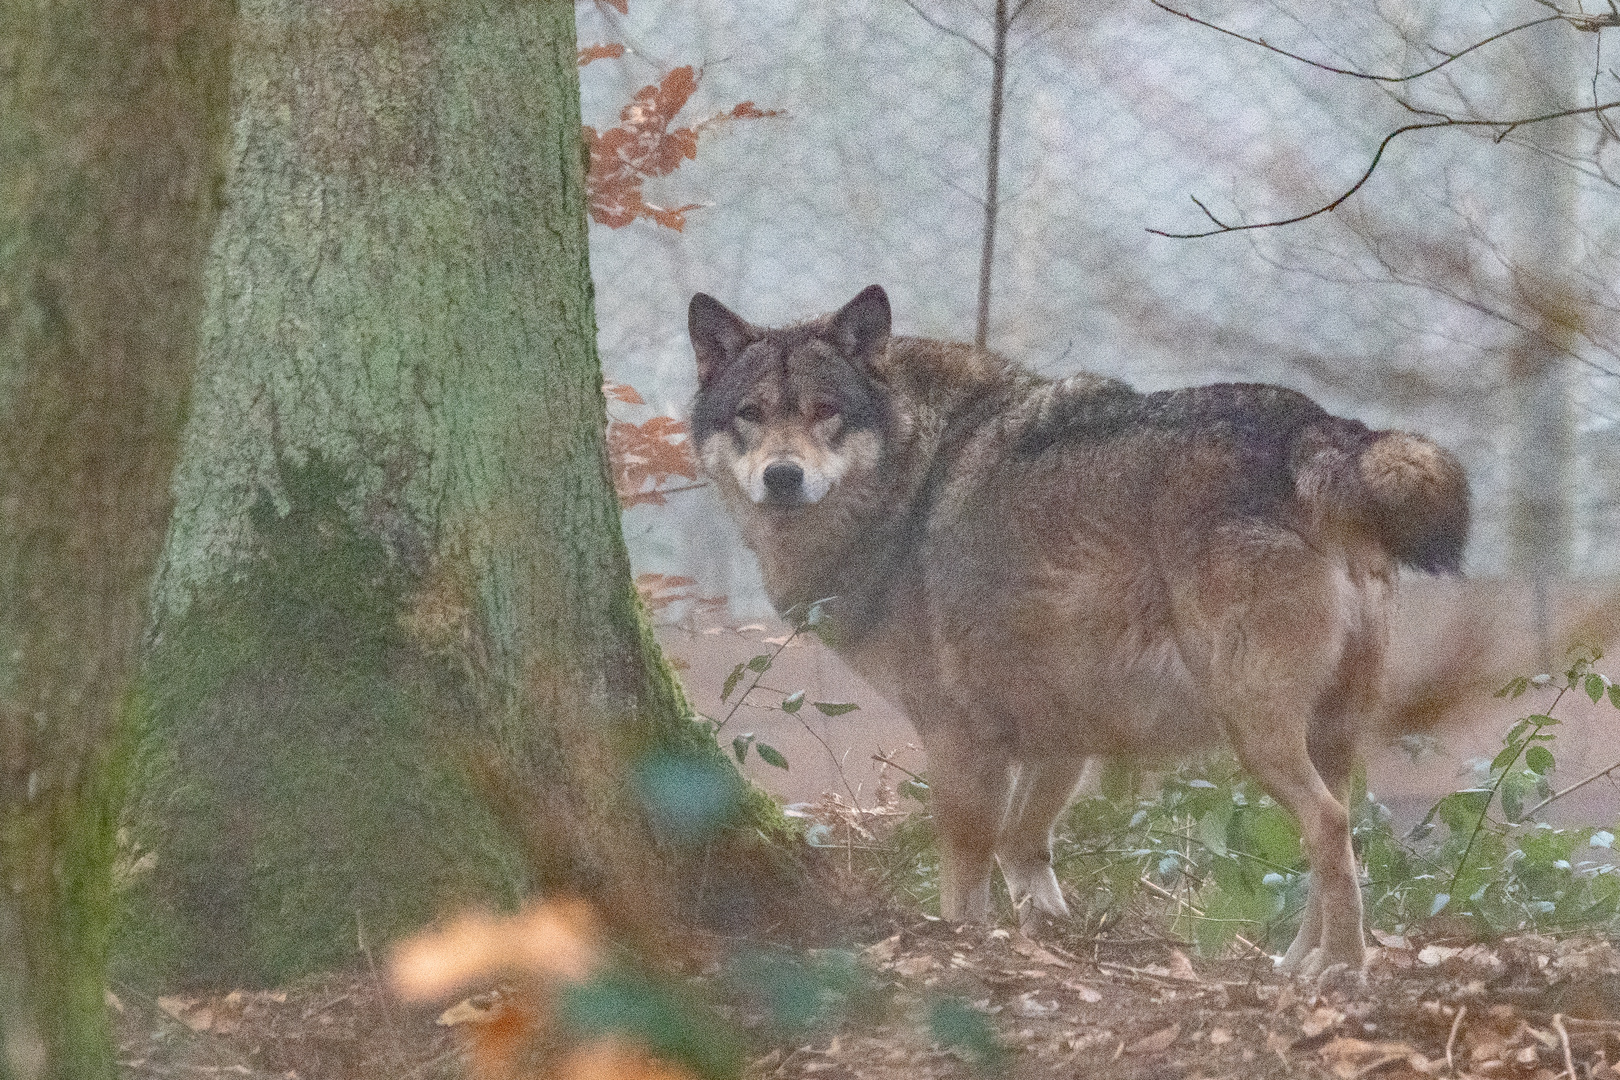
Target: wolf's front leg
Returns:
[970, 783]
[1040, 791]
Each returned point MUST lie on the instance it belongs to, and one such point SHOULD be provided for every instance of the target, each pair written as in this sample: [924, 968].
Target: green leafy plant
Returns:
[1200, 853]
[754, 670]
[1482, 854]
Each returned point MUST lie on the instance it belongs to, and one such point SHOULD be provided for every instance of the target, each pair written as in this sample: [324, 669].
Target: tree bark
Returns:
[112, 123]
[396, 476]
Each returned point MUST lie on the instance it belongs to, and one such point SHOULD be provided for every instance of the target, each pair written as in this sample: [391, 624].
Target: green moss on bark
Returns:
[299, 772]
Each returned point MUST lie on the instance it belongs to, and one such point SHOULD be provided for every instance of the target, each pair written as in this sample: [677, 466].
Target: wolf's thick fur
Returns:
[1042, 571]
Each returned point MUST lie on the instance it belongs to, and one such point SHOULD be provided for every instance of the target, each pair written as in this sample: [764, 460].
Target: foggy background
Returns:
[1423, 302]
[1466, 292]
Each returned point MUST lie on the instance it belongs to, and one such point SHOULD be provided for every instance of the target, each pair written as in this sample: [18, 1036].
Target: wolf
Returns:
[1041, 572]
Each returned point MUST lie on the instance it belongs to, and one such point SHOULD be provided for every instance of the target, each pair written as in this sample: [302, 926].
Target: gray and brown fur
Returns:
[1039, 572]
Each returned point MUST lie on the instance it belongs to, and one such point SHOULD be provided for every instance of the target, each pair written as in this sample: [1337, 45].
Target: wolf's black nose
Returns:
[783, 479]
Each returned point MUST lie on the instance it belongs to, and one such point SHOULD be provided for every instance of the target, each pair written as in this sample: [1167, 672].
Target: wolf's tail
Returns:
[1412, 493]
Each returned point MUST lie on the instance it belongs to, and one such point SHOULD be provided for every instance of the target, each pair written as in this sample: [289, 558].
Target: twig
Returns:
[1505, 128]
[883, 759]
[1579, 1024]
[925, 17]
[1165, 894]
[1555, 796]
[838, 766]
[1462, 863]
[1354, 74]
[1139, 973]
[673, 490]
[758, 675]
[1451, 1040]
[1563, 1038]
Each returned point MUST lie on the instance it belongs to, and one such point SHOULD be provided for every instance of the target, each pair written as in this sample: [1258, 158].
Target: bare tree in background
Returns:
[1528, 90]
[1002, 21]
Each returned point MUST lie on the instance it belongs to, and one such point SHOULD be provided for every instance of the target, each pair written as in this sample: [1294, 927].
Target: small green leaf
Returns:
[1513, 802]
[1514, 688]
[1614, 696]
[834, 708]
[793, 702]
[1543, 720]
[739, 746]
[1516, 731]
[731, 681]
[1595, 686]
[1540, 759]
[760, 663]
[771, 755]
[1506, 756]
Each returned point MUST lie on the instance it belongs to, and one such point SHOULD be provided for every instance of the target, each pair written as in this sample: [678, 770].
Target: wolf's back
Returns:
[1412, 493]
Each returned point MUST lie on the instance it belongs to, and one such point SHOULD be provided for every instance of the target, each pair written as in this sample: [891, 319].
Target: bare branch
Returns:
[937, 25]
[1574, 20]
[1555, 796]
[1503, 128]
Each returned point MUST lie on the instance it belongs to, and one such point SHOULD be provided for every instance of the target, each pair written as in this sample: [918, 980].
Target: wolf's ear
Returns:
[861, 327]
[717, 335]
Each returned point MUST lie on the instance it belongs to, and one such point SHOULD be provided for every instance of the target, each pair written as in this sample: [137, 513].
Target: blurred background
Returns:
[1467, 291]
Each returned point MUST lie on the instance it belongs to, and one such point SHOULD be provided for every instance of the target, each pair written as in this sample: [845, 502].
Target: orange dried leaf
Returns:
[645, 145]
[646, 456]
[623, 392]
[659, 591]
[496, 1044]
[621, 6]
[610, 50]
[554, 940]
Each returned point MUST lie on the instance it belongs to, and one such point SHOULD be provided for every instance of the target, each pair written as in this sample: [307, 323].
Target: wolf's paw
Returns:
[1318, 964]
[1035, 922]
[1342, 977]
[1034, 890]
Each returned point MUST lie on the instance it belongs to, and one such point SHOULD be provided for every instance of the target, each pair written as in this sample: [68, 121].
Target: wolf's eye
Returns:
[750, 414]
[823, 410]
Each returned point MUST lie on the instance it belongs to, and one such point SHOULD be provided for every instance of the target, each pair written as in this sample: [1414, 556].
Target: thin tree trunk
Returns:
[992, 179]
[395, 477]
[112, 121]
[1544, 241]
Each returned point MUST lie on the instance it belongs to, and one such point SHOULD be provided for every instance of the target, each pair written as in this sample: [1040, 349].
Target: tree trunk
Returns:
[1544, 239]
[112, 122]
[396, 556]
[1001, 21]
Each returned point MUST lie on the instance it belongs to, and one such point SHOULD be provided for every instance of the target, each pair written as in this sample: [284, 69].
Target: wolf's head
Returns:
[789, 415]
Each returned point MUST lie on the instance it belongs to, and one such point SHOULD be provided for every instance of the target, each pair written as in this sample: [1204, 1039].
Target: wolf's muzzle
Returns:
[784, 481]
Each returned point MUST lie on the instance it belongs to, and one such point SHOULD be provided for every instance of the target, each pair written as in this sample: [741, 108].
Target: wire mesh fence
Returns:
[1418, 303]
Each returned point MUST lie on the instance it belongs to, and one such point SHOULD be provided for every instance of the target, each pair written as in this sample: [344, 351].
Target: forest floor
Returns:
[1522, 1008]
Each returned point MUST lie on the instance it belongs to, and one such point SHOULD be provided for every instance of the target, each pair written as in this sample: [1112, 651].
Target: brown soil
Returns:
[1525, 1008]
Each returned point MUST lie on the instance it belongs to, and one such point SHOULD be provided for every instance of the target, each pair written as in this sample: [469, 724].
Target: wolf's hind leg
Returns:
[1277, 757]
[970, 784]
[1040, 791]
[1331, 742]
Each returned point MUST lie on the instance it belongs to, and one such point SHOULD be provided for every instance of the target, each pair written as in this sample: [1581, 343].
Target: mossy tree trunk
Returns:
[112, 127]
[396, 555]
